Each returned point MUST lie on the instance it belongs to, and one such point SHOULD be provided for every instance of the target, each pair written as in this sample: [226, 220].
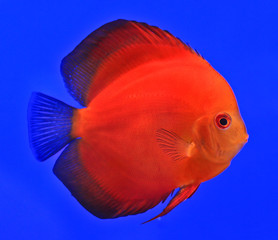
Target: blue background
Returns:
[239, 38]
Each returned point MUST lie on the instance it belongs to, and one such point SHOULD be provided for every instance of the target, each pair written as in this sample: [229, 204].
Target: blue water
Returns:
[239, 38]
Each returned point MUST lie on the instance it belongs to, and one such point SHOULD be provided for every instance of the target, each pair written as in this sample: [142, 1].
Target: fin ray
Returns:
[183, 194]
[112, 49]
[91, 192]
[173, 145]
[49, 123]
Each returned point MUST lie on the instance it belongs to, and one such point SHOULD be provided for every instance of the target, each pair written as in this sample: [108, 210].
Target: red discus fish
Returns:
[156, 117]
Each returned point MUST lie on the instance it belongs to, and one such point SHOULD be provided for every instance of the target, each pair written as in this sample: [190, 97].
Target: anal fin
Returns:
[73, 172]
[96, 190]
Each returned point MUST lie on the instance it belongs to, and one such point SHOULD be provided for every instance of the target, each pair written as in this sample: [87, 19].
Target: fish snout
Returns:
[246, 138]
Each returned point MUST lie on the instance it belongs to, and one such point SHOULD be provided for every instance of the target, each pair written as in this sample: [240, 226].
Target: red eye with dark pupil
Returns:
[223, 120]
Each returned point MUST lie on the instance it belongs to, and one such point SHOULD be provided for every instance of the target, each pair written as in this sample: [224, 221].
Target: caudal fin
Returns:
[49, 123]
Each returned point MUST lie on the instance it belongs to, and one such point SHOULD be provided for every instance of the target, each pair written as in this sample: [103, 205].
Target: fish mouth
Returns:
[246, 137]
[222, 154]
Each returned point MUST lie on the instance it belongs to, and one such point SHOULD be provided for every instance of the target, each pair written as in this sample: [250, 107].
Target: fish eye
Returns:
[223, 120]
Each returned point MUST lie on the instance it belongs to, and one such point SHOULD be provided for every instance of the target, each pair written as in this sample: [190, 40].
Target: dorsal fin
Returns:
[113, 49]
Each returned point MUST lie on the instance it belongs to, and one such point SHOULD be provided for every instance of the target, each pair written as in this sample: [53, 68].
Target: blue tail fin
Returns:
[49, 123]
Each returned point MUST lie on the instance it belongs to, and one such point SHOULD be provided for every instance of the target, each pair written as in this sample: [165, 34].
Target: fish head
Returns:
[220, 135]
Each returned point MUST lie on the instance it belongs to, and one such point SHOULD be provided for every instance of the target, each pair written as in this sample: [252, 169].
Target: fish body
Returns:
[157, 117]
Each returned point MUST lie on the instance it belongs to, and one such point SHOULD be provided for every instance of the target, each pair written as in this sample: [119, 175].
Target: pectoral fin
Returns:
[183, 194]
[173, 145]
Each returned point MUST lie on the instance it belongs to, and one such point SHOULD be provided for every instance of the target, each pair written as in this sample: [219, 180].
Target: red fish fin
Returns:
[173, 145]
[183, 194]
[111, 50]
[93, 193]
